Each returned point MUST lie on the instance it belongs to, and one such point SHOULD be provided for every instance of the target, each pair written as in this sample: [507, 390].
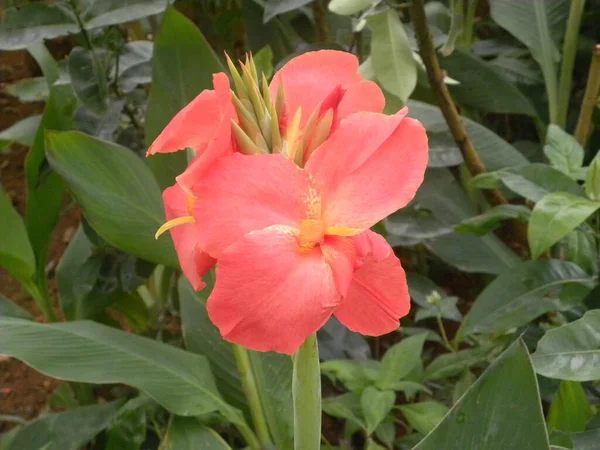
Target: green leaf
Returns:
[592, 179]
[346, 406]
[564, 152]
[23, 132]
[99, 126]
[263, 60]
[539, 24]
[492, 218]
[495, 95]
[182, 58]
[420, 288]
[553, 217]
[69, 430]
[276, 7]
[272, 372]
[16, 255]
[484, 417]
[33, 22]
[348, 7]
[102, 13]
[29, 90]
[87, 69]
[533, 181]
[376, 405]
[117, 192]
[572, 351]
[128, 430]
[463, 384]
[87, 352]
[495, 152]
[188, 434]
[391, 55]
[452, 364]
[588, 440]
[11, 309]
[570, 410]
[424, 416]
[402, 360]
[135, 64]
[355, 375]
[580, 246]
[523, 293]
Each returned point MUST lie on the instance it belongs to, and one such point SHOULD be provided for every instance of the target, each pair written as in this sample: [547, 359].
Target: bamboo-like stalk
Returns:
[590, 97]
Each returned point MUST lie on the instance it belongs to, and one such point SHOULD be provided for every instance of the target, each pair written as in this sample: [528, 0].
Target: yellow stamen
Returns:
[292, 134]
[173, 223]
[341, 231]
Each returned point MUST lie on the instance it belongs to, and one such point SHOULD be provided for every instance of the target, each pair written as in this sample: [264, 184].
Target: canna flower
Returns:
[282, 195]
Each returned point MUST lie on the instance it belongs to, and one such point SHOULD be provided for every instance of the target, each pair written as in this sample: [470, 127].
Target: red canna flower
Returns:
[290, 230]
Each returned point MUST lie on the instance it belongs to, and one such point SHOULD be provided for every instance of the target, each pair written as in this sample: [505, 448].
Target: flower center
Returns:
[311, 232]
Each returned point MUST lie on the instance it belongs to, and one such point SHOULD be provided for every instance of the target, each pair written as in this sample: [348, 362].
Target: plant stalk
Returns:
[306, 389]
[41, 299]
[320, 16]
[568, 60]
[592, 88]
[446, 104]
[242, 360]
[467, 34]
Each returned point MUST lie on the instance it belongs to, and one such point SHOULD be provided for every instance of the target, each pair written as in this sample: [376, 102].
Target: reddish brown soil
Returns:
[23, 391]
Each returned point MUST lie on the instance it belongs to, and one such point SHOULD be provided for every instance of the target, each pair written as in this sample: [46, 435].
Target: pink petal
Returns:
[195, 125]
[371, 166]
[193, 261]
[377, 298]
[269, 295]
[363, 96]
[247, 193]
[370, 243]
[340, 253]
[312, 77]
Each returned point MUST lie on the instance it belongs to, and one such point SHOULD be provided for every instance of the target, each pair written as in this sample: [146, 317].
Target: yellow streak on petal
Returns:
[341, 231]
[173, 223]
[292, 133]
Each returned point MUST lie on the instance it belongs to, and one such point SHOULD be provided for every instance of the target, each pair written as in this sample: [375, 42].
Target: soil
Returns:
[24, 392]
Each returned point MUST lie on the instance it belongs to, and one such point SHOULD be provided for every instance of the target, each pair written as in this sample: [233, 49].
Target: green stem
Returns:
[467, 34]
[41, 299]
[592, 88]
[568, 60]
[447, 343]
[244, 367]
[248, 436]
[306, 388]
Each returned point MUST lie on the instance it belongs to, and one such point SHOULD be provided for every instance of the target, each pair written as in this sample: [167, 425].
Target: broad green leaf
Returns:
[99, 126]
[491, 219]
[401, 360]
[11, 309]
[452, 364]
[355, 375]
[580, 246]
[494, 95]
[185, 433]
[564, 152]
[87, 352]
[592, 179]
[128, 430]
[276, 7]
[29, 90]
[182, 57]
[348, 7]
[135, 64]
[424, 416]
[102, 13]
[23, 132]
[376, 405]
[33, 22]
[569, 412]
[495, 152]
[525, 292]
[516, 70]
[553, 217]
[572, 351]
[336, 341]
[533, 181]
[16, 255]
[463, 384]
[539, 24]
[346, 406]
[87, 69]
[273, 372]
[69, 430]
[117, 192]
[391, 55]
[485, 417]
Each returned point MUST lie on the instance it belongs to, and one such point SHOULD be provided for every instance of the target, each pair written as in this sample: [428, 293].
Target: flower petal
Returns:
[193, 261]
[195, 125]
[363, 96]
[311, 77]
[371, 166]
[269, 295]
[244, 193]
[340, 254]
[377, 298]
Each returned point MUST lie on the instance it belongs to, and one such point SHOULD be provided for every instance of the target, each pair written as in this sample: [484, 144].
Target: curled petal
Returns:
[340, 254]
[194, 262]
[370, 243]
[270, 295]
[377, 298]
[363, 96]
[245, 193]
[370, 167]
